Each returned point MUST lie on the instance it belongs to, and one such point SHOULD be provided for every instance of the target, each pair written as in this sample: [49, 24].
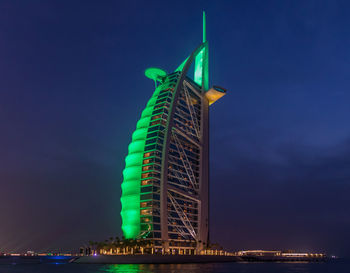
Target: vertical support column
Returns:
[204, 161]
[204, 176]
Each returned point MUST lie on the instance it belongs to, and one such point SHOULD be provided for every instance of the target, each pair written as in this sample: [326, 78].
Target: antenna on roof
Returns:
[204, 28]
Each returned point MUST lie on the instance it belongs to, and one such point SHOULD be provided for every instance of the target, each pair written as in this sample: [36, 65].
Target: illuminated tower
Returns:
[165, 189]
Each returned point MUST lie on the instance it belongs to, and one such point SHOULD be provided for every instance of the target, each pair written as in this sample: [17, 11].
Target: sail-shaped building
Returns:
[165, 189]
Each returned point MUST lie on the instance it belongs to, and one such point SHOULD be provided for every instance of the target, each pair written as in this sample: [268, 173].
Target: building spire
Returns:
[205, 84]
[204, 28]
[201, 73]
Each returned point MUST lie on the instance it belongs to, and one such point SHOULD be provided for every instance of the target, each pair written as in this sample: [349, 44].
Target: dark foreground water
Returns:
[339, 266]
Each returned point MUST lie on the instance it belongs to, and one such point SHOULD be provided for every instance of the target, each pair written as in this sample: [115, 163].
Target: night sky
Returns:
[72, 89]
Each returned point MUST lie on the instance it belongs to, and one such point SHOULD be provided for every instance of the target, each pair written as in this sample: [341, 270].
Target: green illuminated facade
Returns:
[166, 179]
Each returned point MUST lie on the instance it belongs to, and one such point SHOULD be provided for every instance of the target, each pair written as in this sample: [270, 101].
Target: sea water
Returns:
[333, 266]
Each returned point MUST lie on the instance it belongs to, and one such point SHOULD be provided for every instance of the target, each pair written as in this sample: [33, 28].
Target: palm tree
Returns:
[100, 246]
[193, 244]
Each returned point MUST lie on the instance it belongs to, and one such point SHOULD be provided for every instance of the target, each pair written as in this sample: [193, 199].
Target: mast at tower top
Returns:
[202, 66]
[204, 28]
[201, 73]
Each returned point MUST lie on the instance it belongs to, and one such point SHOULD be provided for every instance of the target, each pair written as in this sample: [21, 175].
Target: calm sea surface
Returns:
[339, 266]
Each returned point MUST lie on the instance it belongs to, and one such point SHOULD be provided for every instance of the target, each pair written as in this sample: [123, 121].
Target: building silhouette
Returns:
[165, 189]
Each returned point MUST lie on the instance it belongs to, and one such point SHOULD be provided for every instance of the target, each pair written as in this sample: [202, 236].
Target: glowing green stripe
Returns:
[198, 68]
[132, 173]
[181, 66]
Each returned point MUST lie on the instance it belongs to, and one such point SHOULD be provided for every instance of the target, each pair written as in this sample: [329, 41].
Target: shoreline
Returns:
[182, 259]
[153, 259]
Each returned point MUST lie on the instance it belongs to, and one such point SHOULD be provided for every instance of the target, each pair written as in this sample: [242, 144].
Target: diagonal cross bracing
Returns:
[185, 162]
[192, 111]
[192, 89]
[180, 179]
[179, 230]
[190, 139]
[182, 216]
[190, 196]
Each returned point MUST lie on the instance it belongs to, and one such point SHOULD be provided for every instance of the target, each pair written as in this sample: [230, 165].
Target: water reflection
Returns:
[135, 268]
[152, 268]
[214, 268]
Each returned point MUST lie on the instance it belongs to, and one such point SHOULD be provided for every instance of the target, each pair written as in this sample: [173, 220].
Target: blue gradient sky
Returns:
[72, 88]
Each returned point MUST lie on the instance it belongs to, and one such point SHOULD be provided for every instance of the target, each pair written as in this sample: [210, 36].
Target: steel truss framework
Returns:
[165, 181]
